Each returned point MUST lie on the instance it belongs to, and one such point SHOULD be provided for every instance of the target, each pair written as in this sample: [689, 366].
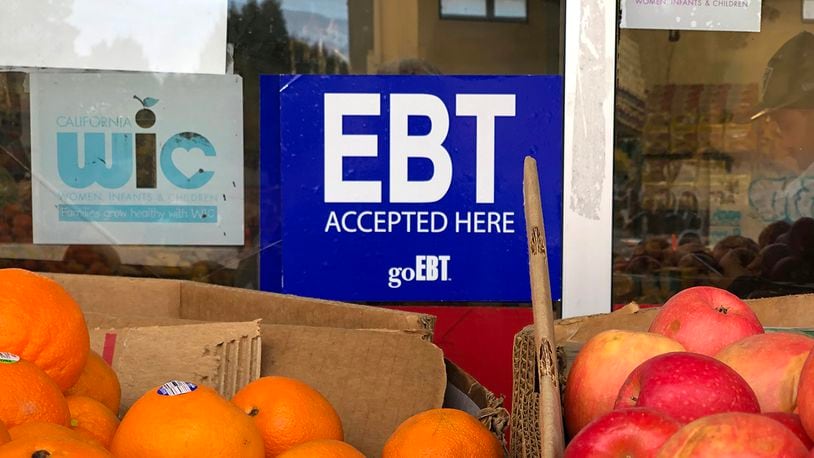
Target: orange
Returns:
[42, 323]
[442, 433]
[98, 381]
[91, 418]
[38, 430]
[51, 447]
[180, 419]
[4, 435]
[326, 448]
[28, 394]
[288, 413]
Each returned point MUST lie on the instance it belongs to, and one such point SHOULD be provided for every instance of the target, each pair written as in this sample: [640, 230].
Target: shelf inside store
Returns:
[709, 155]
[630, 113]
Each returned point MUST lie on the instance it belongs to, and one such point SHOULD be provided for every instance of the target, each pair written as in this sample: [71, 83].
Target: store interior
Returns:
[706, 159]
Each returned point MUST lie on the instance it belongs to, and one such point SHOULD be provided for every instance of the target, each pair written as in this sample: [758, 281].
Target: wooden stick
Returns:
[550, 411]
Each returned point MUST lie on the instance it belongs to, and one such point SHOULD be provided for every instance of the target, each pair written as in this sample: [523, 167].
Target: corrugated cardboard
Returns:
[467, 394]
[376, 366]
[525, 424]
[571, 334]
[375, 379]
[225, 356]
[239, 304]
[548, 381]
[189, 300]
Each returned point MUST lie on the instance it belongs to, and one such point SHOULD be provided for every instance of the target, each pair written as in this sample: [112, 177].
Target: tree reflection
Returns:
[262, 45]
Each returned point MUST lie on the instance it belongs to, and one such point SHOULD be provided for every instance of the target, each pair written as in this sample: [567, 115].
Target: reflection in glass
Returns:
[714, 160]
[512, 9]
[474, 8]
[280, 37]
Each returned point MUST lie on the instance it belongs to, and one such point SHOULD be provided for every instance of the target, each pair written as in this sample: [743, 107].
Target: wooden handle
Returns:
[550, 411]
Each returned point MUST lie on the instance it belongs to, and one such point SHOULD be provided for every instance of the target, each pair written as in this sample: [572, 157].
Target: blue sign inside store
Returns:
[406, 188]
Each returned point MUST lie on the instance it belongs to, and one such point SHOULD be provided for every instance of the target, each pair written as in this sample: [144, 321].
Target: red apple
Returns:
[705, 319]
[771, 364]
[805, 395]
[793, 423]
[687, 386]
[733, 435]
[635, 433]
[601, 367]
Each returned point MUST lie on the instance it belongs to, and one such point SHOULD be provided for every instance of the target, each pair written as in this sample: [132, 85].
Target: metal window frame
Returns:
[590, 77]
[488, 17]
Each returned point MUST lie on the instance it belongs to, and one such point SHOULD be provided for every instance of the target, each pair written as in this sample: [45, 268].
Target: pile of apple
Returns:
[705, 381]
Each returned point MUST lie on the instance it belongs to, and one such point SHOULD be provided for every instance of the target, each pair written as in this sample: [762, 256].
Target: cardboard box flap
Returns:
[123, 296]
[525, 419]
[471, 388]
[239, 304]
[203, 302]
[580, 329]
[105, 320]
[784, 312]
[776, 312]
[525, 438]
[225, 356]
[374, 379]
[467, 394]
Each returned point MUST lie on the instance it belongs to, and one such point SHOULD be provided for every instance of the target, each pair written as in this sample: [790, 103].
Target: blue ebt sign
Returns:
[406, 188]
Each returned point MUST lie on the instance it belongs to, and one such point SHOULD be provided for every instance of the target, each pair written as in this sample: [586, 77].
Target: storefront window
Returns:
[280, 37]
[714, 152]
[484, 9]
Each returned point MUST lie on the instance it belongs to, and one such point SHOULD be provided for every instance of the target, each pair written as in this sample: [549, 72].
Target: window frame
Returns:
[488, 17]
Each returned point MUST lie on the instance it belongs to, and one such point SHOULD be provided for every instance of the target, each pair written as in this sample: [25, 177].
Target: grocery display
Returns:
[742, 387]
[373, 151]
[268, 416]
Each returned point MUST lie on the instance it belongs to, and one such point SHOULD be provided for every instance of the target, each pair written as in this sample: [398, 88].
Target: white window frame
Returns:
[590, 75]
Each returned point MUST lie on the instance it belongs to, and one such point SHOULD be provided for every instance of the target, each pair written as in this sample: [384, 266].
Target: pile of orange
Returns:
[44, 357]
[59, 398]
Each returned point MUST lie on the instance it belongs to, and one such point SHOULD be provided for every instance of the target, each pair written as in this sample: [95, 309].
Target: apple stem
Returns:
[722, 309]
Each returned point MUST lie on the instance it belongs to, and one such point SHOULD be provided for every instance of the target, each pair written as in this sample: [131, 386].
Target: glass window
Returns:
[714, 159]
[484, 9]
[515, 9]
[470, 8]
[273, 37]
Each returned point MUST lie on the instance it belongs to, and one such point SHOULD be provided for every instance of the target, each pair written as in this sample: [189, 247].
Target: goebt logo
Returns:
[130, 152]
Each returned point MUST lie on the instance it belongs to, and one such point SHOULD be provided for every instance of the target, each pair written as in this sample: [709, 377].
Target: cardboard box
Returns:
[571, 334]
[376, 366]
[225, 356]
